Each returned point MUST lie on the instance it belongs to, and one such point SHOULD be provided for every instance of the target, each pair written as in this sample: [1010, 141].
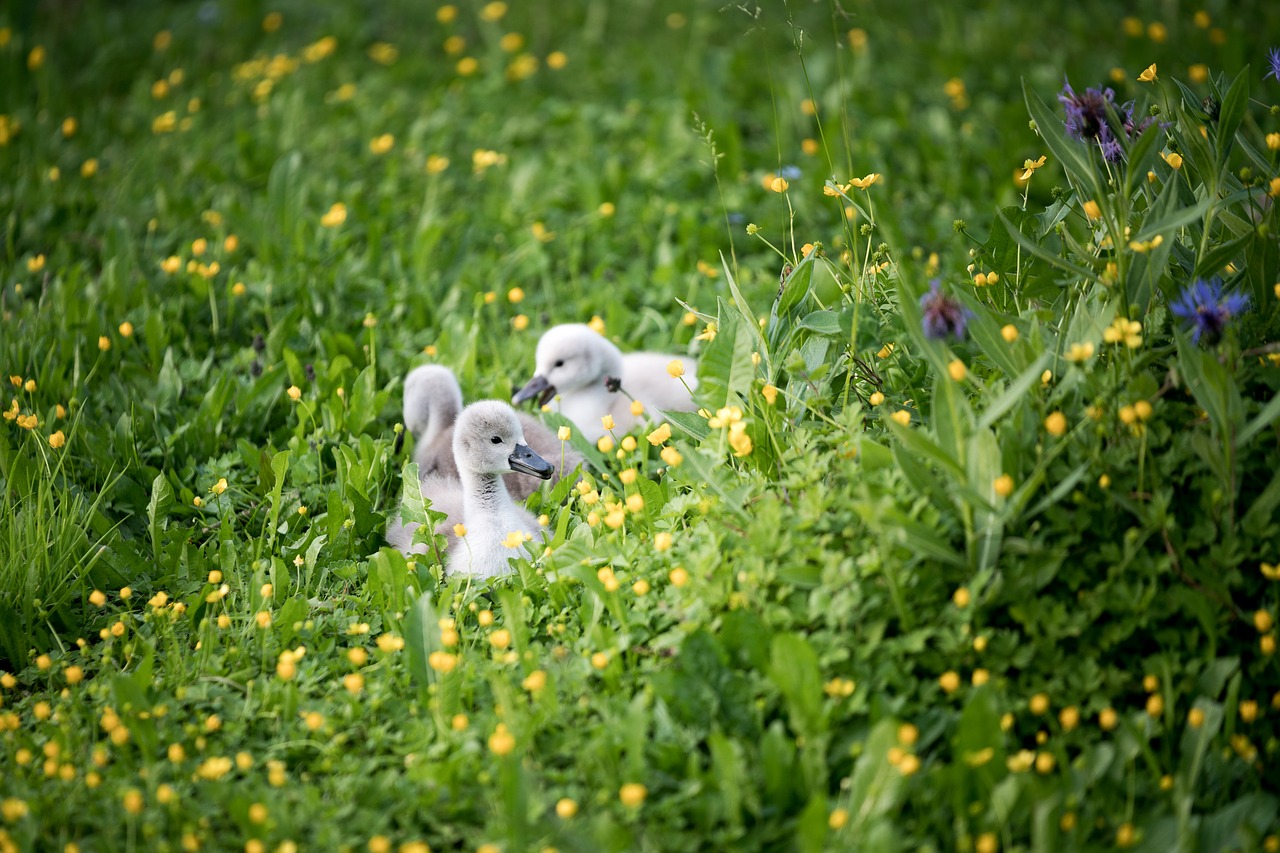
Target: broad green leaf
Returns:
[158, 512]
[279, 467]
[795, 288]
[725, 371]
[793, 667]
[823, 323]
[984, 466]
[1231, 113]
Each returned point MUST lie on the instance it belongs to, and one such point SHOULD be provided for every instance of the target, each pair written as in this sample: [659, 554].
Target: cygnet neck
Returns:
[440, 417]
[485, 495]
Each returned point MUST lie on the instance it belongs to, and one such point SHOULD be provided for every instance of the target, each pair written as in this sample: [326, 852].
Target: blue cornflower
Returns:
[941, 315]
[1273, 59]
[1207, 310]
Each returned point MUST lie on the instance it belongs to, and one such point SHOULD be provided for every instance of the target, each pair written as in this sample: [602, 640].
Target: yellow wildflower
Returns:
[336, 215]
[1029, 167]
[632, 794]
[660, 435]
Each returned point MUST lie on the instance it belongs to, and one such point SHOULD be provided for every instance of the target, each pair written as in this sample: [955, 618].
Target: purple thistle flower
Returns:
[1207, 310]
[941, 315]
[1273, 59]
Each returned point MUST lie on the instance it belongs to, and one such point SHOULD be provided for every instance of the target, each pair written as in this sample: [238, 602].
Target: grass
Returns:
[1008, 589]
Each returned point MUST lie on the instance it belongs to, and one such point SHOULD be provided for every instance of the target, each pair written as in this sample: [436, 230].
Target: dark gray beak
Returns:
[538, 387]
[525, 461]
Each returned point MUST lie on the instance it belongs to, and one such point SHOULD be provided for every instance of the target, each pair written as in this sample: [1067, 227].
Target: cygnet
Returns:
[573, 361]
[487, 443]
[432, 400]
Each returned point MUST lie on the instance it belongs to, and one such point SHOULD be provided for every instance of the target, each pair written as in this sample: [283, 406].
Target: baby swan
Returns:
[573, 361]
[487, 443]
[432, 401]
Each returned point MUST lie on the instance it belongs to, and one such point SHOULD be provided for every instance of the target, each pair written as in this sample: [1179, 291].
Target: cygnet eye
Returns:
[497, 439]
[559, 363]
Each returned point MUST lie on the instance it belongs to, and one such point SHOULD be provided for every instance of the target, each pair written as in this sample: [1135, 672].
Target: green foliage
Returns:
[1013, 588]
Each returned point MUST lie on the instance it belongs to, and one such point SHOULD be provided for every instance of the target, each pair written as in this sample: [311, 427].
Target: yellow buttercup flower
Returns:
[336, 215]
[632, 794]
[1121, 330]
[501, 742]
[1003, 485]
[1174, 159]
[866, 181]
[1148, 74]
[1079, 352]
[660, 435]
[1092, 210]
[1029, 167]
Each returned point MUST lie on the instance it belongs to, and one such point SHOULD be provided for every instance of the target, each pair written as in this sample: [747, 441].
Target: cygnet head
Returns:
[431, 393]
[569, 358]
[487, 439]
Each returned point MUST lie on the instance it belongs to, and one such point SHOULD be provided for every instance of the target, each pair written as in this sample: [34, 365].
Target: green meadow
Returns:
[973, 545]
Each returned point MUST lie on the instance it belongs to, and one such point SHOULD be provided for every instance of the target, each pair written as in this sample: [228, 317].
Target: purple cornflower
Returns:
[942, 316]
[1087, 119]
[1207, 310]
[1273, 59]
[1087, 113]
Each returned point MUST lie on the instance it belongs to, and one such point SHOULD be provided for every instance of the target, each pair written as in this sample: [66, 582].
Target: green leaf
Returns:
[364, 405]
[793, 667]
[875, 785]
[1001, 248]
[1261, 421]
[725, 370]
[823, 323]
[158, 511]
[916, 441]
[691, 423]
[1209, 383]
[951, 418]
[1231, 113]
[1034, 248]
[984, 466]
[795, 288]
[1016, 392]
[279, 467]
[1141, 155]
